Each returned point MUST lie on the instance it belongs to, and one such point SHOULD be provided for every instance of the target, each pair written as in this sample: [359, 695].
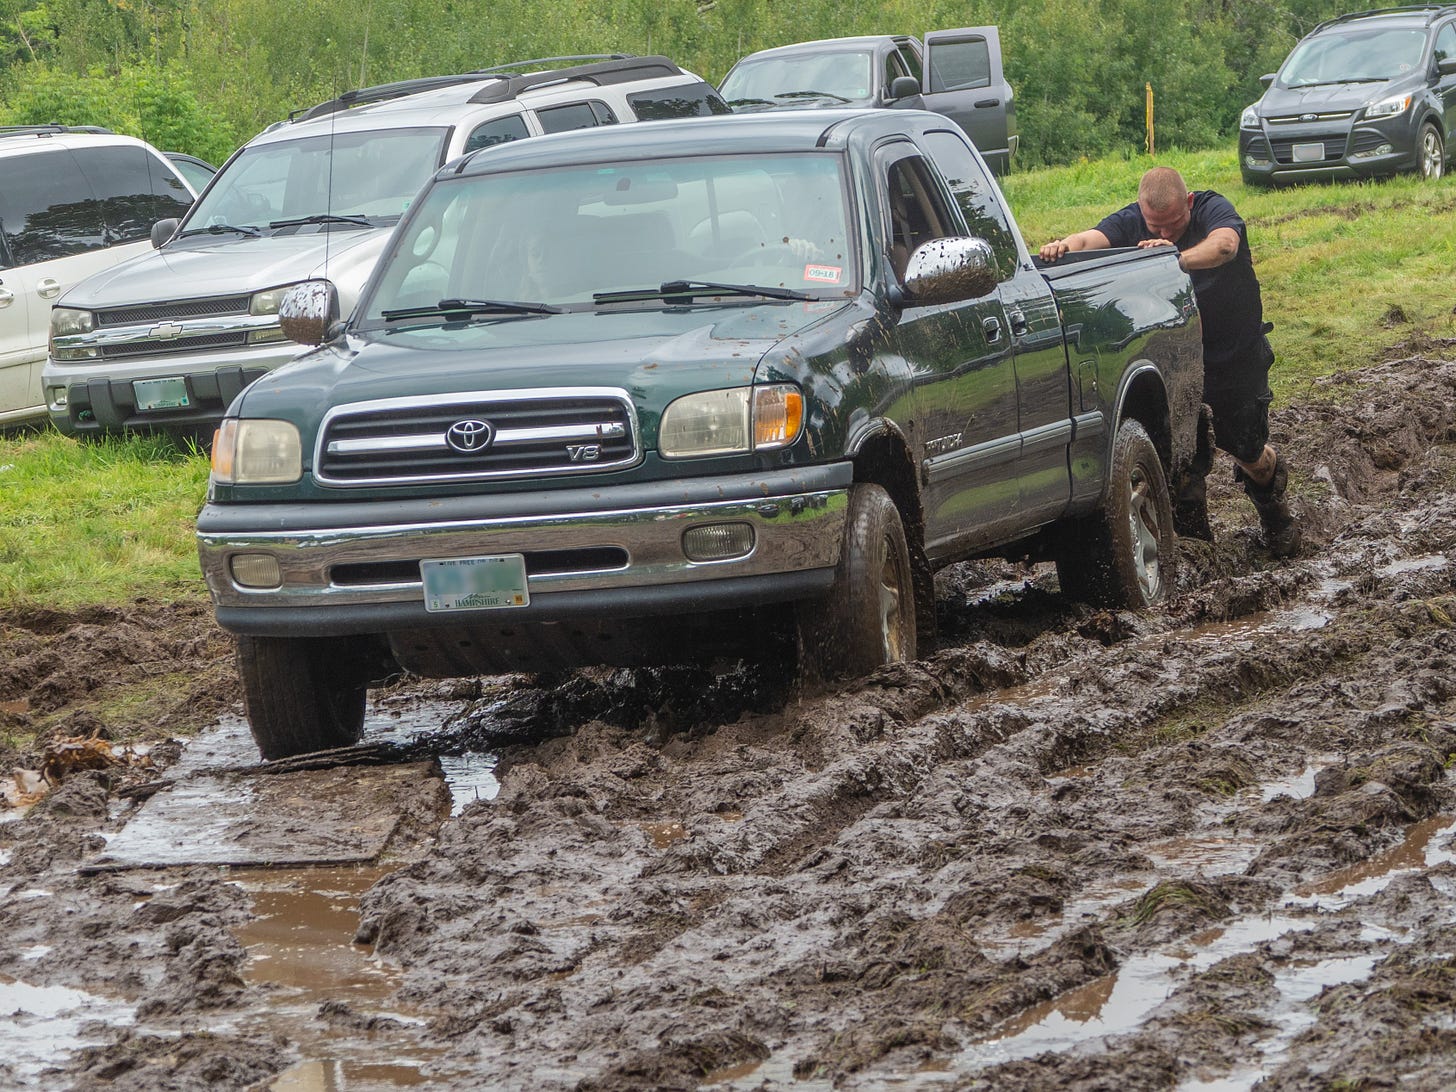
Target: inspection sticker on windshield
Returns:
[475, 583]
[155, 394]
[824, 274]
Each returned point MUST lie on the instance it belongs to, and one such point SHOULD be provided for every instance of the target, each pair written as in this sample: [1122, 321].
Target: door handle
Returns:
[48, 288]
[1018, 322]
[991, 327]
[986, 104]
[6, 297]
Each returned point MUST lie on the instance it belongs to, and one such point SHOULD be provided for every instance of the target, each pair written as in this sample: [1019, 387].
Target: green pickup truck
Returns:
[718, 387]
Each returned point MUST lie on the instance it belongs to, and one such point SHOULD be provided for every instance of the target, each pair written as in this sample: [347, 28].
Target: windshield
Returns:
[373, 175]
[1354, 56]
[846, 76]
[564, 235]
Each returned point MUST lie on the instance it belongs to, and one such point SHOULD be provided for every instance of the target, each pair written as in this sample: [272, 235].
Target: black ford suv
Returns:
[1364, 95]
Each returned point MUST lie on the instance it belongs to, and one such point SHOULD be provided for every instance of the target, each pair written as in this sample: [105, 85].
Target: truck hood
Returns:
[656, 355]
[1329, 98]
[231, 265]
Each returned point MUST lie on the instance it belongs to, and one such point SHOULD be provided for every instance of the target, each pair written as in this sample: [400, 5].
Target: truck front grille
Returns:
[175, 309]
[478, 436]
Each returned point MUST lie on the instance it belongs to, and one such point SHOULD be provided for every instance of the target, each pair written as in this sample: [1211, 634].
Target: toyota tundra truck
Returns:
[720, 387]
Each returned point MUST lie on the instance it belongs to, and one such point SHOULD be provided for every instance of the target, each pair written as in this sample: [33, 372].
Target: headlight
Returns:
[260, 452]
[266, 302]
[67, 322]
[1249, 119]
[732, 422]
[1388, 108]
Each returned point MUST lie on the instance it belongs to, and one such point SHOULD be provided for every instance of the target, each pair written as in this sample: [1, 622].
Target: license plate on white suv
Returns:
[475, 583]
[158, 394]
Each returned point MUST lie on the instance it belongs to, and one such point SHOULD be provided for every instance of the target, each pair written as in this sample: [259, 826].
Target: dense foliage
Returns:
[203, 76]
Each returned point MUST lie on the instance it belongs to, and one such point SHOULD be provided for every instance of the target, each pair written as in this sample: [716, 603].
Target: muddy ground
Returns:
[1207, 847]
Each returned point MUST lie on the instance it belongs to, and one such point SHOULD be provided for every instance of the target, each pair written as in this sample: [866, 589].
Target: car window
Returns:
[375, 173]
[844, 75]
[576, 115]
[696, 100]
[977, 198]
[916, 211]
[894, 67]
[1446, 43]
[959, 65]
[135, 189]
[911, 60]
[498, 131]
[47, 210]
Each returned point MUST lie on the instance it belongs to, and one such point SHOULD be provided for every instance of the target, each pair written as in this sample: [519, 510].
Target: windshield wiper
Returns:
[322, 218]
[692, 289]
[749, 102]
[474, 307]
[811, 95]
[1337, 83]
[224, 229]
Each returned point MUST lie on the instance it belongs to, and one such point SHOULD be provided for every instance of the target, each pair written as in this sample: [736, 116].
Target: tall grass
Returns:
[1350, 272]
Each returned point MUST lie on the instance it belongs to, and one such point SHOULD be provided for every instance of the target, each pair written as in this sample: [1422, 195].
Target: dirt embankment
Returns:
[1068, 849]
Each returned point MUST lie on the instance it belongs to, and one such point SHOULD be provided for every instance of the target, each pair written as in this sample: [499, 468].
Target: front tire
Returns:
[1432, 153]
[869, 618]
[1122, 557]
[302, 694]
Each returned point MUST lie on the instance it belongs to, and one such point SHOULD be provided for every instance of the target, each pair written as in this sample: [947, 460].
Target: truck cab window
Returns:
[576, 115]
[976, 196]
[916, 212]
[956, 66]
[498, 131]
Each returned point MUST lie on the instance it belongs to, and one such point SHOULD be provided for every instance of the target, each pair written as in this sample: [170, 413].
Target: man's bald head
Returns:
[1165, 203]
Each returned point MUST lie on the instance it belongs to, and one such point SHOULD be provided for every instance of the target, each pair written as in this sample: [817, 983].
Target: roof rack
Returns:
[52, 127]
[503, 85]
[1431, 10]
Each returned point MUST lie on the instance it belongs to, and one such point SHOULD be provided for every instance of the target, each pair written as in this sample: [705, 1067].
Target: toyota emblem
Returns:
[469, 436]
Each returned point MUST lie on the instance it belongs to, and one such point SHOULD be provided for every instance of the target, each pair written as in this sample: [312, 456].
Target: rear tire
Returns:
[1122, 557]
[1432, 153]
[302, 693]
[869, 618]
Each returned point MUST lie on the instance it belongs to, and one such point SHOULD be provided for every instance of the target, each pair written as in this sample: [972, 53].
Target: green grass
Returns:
[97, 523]
[1350, 272]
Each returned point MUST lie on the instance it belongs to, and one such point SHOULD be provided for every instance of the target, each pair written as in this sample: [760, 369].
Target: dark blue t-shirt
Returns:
[1234, 348]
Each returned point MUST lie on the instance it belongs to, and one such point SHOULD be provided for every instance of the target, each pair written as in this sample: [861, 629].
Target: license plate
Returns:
[1308, 153]
[475, 583]
[155, 394]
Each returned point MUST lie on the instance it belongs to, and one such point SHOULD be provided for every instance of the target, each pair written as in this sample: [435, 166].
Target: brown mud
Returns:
[1212, 846]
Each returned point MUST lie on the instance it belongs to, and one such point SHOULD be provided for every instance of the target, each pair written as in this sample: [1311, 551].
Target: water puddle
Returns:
[300, 943]
[39, 1025]
[1429, 843]
[470, 774]
[1405, 565]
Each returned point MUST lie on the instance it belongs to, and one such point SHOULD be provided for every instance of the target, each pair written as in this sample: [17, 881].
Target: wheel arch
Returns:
[882, 456]
[1144, 398]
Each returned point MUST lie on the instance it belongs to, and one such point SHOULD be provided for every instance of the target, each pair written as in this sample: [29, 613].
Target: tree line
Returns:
[204, 76]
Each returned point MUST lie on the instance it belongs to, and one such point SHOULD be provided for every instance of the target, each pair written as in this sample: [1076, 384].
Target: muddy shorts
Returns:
[1241, 409]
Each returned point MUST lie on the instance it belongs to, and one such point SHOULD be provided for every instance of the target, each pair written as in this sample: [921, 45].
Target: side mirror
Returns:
[308, 312]
[163, 230]
[902, 87]
[1446, 65]
[1267, 78]
[950, 270]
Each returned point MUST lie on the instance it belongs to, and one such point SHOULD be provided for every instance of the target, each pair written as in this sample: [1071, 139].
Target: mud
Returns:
[1212, 846]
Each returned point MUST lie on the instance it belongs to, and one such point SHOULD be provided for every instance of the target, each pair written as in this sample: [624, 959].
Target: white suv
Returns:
[73, 201]
[166, 342]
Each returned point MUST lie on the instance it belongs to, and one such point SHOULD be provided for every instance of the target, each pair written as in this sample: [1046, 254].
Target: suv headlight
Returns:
[266, 302]
[66, 322]
[1389, 107]
[256, 452]
[1249, 119]
[732, 422]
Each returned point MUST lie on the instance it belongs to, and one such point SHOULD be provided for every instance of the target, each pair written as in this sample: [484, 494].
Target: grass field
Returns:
[1348, 271]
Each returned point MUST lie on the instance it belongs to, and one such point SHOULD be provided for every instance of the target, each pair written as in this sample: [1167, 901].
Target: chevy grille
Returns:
[533, 433]
[175, 309]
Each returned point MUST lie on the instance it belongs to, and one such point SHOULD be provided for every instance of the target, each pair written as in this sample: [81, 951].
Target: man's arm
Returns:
[1220, 247]
[1091, 239]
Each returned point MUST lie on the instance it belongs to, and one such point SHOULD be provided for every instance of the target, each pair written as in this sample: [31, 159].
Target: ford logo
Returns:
[1309, 117]
[470, 436]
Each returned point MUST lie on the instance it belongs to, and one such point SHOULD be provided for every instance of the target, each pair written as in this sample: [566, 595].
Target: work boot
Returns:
[1281, 532]
[1190, 507]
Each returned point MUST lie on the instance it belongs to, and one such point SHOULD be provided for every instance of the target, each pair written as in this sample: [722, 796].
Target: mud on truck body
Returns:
[722, 387]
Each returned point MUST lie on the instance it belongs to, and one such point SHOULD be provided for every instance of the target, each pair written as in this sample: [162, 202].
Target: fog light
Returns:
[256, 571]
[266, 336]
[58, 398]
[1255, 161]
[718, 541]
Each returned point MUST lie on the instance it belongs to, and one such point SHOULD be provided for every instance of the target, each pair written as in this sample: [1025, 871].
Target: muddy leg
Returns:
[1266, 481]
[1190, 491]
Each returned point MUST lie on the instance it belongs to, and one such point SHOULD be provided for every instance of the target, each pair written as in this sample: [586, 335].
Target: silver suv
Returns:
[73, 201]
[165, 342]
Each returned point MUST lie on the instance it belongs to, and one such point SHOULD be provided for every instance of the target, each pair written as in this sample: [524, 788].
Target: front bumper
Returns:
[615, 553]
[1327, 151]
